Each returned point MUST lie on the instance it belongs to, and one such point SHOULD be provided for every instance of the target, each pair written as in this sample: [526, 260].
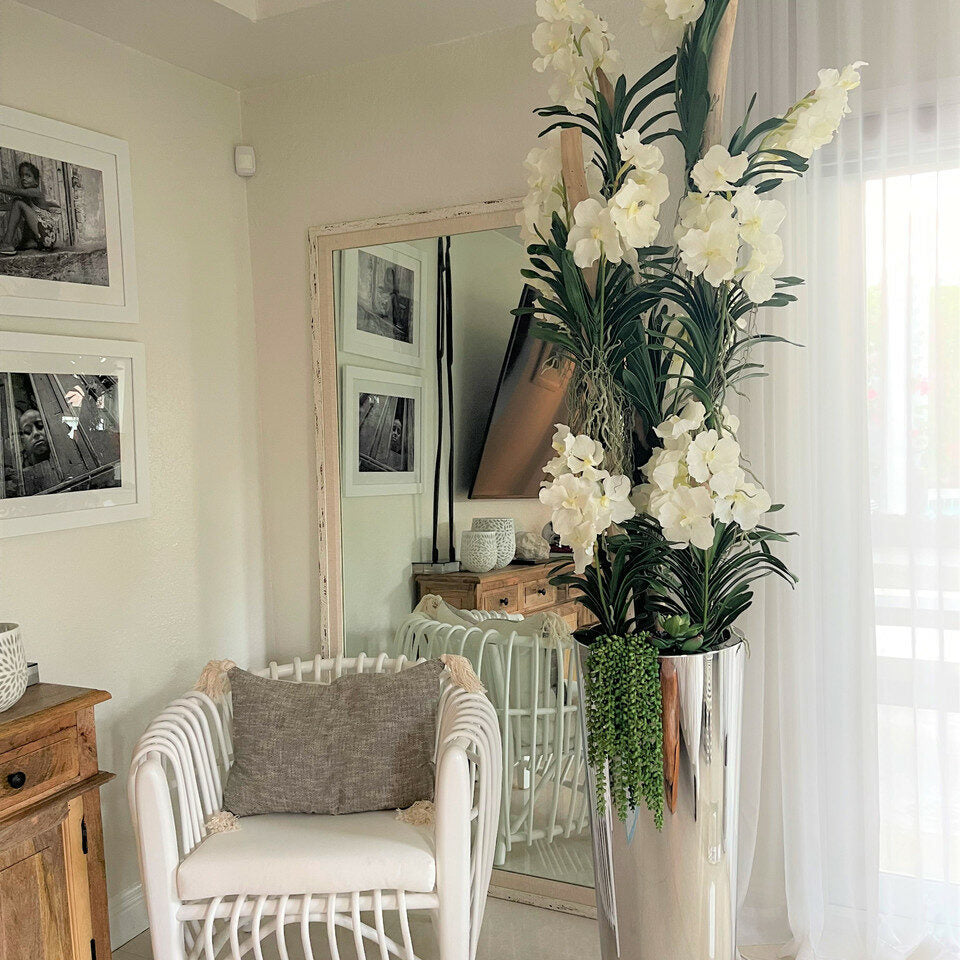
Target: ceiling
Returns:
[249, 43]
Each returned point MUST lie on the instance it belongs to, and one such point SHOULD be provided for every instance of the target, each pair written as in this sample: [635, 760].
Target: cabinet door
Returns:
[34, 923]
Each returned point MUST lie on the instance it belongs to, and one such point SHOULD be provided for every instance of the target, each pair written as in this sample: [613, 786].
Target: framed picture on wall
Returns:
[73, 444]
[66, 221]
[382, 432]
[382, 308]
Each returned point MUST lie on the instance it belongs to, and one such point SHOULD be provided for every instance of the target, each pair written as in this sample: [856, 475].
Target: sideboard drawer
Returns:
[538, 595]
[38, 767]
[504, 599]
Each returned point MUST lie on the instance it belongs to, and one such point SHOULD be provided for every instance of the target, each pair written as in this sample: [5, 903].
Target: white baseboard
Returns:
[128, 916]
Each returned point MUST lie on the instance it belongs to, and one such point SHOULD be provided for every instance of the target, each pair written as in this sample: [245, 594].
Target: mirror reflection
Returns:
[447, 404]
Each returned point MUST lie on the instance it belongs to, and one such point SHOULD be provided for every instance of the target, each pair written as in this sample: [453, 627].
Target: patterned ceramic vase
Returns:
[13, 665]
[506, 536]
[478, 550]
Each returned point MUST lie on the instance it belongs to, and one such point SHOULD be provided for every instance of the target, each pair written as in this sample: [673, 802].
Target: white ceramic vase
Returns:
[505, 533]
[13, 665]
[478, 550]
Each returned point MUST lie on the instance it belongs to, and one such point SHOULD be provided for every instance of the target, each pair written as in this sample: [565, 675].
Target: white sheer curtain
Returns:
[851, 811]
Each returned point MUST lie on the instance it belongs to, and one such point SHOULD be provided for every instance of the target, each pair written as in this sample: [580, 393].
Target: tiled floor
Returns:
[511, 931]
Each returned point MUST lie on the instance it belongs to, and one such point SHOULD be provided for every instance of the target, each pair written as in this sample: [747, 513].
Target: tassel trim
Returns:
[429, 604]
[462, 673]
[422, 813]
[213, 679]
[223, 821]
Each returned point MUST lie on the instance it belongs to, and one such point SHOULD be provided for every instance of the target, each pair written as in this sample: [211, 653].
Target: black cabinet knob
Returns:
[504, 601]
[542, 591]
[17, 780]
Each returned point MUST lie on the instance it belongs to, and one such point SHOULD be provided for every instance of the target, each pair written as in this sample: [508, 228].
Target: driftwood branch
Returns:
[575, 181]
[717, 76]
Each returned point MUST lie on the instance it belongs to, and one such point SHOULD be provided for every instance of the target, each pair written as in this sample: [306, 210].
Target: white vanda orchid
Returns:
[615, 499]
[757, 280]
[642, 156]
[717, 172]
[758, 218]
[744, 506]
[709, 454]
[699, 211]
[634, 215]
[594, 234]
[686, 517]
[544, 182]
[723, 483]
[713, 252]
[554, 41]
[666, 469]
[586, 500]
[690, 418]
[561, 11]
[730, 421]
[667, 19]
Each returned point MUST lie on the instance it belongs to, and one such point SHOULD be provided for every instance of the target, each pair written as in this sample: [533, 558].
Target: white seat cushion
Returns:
[299, 853]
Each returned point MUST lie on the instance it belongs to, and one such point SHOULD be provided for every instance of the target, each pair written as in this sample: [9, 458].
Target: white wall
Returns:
[433, 128]
[137, 608]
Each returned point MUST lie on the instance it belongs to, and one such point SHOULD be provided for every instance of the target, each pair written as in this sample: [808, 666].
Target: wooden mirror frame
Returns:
[323, 242]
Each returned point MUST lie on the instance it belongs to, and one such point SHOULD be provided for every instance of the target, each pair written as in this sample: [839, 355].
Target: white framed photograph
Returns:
[73, 442]
[381, 303]
[382, 432]
[66, 222]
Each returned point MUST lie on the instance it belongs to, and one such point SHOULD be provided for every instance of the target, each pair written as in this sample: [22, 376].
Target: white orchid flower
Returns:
[690, 418]
[725, 482]
[645, 157]
[765, 257]
[583, 540]
[667, 20]
[744, 507]
[730, 421]
[709, 453]
[552, 40]
[712, 252]
[562, 439]
[666, 468]
[758, 286]
[634, 216]
[615, 499]
[558, 11]
[585, 454]
[699, 211]
[758, 218]
[685, 517]
[593, 235]
[717, 171]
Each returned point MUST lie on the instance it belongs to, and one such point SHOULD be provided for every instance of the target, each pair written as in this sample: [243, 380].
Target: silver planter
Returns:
[672, 894]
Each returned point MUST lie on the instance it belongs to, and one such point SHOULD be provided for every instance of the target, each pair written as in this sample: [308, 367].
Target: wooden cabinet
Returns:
[53, 896]
[520, 588]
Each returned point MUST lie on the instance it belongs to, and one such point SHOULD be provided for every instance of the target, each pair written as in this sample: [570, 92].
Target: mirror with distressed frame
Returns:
[430, 397]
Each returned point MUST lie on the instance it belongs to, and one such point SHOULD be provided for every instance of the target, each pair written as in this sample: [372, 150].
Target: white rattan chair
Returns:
[533, 685]
[215, 896]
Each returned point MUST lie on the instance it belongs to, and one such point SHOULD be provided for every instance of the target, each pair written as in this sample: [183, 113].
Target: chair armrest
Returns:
[467, 796]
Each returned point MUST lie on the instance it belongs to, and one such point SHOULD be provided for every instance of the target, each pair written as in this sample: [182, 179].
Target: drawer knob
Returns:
[17, 780]
[504, 601]
[542, 591]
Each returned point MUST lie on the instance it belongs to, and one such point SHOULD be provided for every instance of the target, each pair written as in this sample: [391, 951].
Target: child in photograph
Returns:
[32, 219]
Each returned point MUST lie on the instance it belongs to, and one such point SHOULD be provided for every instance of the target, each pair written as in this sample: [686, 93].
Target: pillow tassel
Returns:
[223, 821]
[555, 630]
[213, 679]
[420, 813]
[462, 673]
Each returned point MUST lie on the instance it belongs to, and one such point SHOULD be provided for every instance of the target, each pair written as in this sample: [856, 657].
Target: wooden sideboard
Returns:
[53, 889]
[519, 588]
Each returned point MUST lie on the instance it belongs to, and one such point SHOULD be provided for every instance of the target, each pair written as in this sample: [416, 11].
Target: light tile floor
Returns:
[511, 931]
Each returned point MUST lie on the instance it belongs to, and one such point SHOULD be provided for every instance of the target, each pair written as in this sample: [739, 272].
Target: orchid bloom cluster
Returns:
[696, 478]
[585, 499]
[574, 43]
[667, 19]
[725, 229]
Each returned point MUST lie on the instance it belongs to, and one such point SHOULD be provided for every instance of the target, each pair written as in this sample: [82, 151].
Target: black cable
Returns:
[448, 290]
[436, 463]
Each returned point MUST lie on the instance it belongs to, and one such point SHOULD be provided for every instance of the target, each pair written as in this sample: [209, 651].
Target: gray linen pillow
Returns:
[363, 742]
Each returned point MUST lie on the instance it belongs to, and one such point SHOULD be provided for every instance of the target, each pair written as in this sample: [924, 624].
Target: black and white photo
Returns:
[386, 433]
[66, 221]
[381, 308]
[52, 220]
[73, 446]
[382, 432]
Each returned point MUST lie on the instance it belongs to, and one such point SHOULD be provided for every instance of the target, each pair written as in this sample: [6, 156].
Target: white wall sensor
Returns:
[245, 161]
